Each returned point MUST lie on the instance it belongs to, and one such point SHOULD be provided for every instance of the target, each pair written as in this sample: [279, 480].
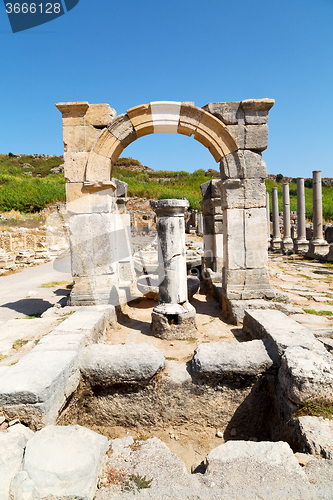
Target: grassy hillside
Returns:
[28, 185]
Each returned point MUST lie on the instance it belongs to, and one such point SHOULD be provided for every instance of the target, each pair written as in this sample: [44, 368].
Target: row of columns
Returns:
[317, 245]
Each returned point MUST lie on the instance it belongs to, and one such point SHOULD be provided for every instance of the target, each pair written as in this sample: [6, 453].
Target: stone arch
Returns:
[156, 117]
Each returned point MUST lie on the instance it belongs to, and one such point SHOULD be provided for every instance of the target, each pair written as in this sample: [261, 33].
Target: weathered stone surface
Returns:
[316, 436]
[90, 321]
[212, 206]
[64, 462]
[66, 342]
[243, 164]
[246, 241]
[173, 321]
[122, 129]
[141, 119]
[306, 374]
[36, 388]
[245, 193]
[320, 473]
[75, 166]
[213, 224]
[328, 343]
[210, 189]
[81, 200]
[246, 284]
[229, 113]
[11, 456]
[256, 110]
[103, 364]
[189, 119]
[280, 331]
[100, 115]
[238, 133]
[262, 470]
[73, 113]
[219, 359]
[21, 429]
[256, 137]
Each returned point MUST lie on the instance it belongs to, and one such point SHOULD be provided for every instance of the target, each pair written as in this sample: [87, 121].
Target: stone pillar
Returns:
[317, 244]
[301, 245]
[200, 224]
[287, 242]
[99, 226]
[173, 317]
[212, 225]
[268, 215]
[245, 256]
[276, 238]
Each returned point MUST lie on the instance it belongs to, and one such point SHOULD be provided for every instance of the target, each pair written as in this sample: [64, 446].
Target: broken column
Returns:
[173, 317]
[317, 244]
[301, 245]
[287, 242]
[212, 225]
[276, 238]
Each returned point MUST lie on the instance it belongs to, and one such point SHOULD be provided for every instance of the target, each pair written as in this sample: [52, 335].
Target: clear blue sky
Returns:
[134, 52]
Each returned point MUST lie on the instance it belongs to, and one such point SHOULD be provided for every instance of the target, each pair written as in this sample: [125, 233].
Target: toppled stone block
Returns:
[316, 436]
[220, 359]
[37, 387]
[306, 374]
[11, 456]
[62, 462]
[280, 331]
[103, 364]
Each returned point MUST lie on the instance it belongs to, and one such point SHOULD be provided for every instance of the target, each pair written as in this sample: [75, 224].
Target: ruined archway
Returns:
[235, 133]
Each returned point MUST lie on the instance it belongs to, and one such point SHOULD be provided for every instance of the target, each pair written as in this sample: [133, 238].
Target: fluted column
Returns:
[287, 242]
[276, 239]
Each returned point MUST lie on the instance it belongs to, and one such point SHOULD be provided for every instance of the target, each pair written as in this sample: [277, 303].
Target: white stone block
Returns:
[11, 456]
[165, 116]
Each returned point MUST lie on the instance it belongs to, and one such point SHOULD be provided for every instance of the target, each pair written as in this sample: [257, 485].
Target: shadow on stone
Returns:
[29, 307]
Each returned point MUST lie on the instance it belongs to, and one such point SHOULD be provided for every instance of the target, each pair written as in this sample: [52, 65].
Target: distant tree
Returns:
[212, 173]
[308, 183]
[279, 177]
[11, 155]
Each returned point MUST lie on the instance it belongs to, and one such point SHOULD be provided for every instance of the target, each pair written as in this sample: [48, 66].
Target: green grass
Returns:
[53, 284]
[318, 313]
[19, 343]
[316, 408]
[26, 193]
[32, 193]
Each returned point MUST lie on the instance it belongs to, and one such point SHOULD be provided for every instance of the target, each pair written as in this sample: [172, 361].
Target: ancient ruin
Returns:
[244, 389]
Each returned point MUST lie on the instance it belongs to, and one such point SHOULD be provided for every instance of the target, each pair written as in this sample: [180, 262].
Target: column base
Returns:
[276, 244]
[173, 321]
[318, 247]
[287, 245]
[301, 246]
